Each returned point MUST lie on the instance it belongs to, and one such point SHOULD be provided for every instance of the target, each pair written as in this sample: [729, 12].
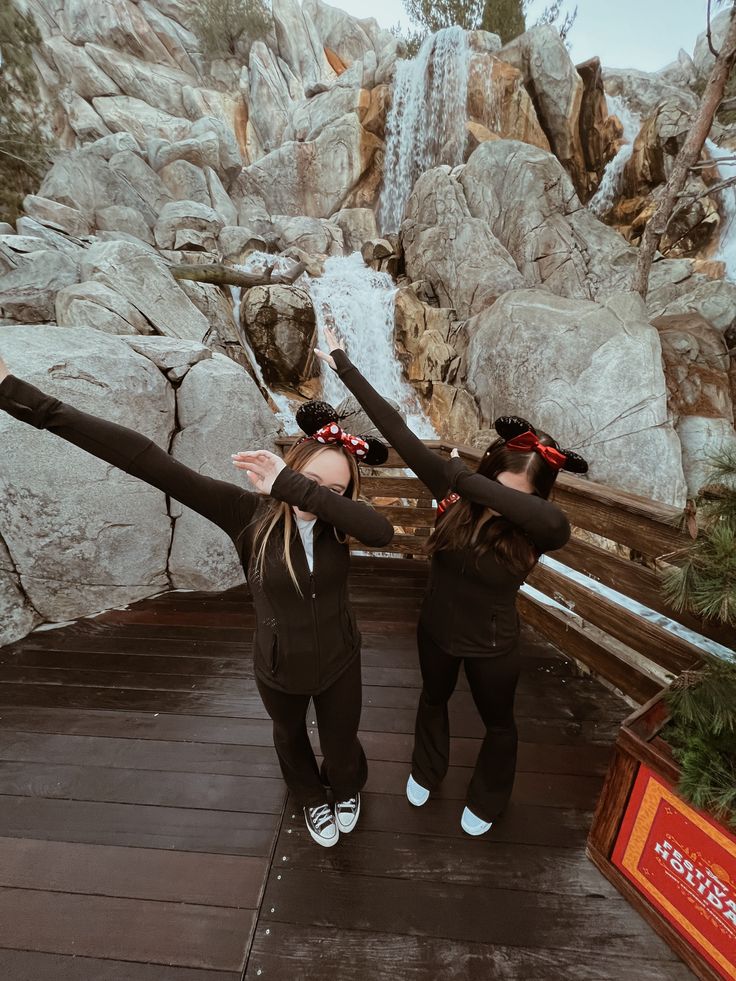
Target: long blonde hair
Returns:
[279, 512]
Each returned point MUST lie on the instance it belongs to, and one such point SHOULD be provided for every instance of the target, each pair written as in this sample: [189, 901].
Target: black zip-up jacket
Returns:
[302, 642]
[469, 609]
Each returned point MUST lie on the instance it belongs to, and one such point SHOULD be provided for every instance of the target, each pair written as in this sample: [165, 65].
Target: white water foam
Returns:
[610, 186]
[358, 303]
[426, 123]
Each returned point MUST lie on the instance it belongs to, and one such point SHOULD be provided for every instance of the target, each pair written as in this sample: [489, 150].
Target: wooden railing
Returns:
[635, 654]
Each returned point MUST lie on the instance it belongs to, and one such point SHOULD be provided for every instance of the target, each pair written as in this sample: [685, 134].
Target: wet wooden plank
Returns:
[134, 873]
[28, 965]
[181, 934]
[291, 951]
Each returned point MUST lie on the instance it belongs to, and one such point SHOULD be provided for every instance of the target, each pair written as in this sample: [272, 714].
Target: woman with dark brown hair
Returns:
[492, 527]
[292, 540]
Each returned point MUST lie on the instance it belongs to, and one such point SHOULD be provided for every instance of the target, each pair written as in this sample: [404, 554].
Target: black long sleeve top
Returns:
[304, 639]
[470, 606]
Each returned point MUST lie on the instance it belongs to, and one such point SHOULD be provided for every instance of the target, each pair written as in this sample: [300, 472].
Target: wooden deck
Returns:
[145, 835]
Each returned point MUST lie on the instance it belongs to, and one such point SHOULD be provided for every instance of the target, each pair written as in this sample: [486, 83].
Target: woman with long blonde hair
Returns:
[291, 533]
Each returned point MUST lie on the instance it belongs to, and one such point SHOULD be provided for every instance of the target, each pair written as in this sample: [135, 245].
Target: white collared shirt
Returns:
[306, 531]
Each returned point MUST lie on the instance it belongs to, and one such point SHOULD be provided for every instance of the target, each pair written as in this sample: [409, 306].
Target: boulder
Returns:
[122, 113]
[108, 146]
[308, 118]
[541, 56]
[280, 324]
[467, 267]
[714, 301]
[338, 31]
[17, 616]
[219, 198]
[701, 436]
[120, 25]
[499, 101]
[358, 226]
[313, 235]
[167, 19]
[186, 182]
[55, 241]
[148, 193]
[313, 178]
[84, 121]
[643, 91]
[180, 218]
[201, 151]
[268, 98]
[299, 44]
[83, 535]
[55, 215]
[28, 292]
[655, 148]
[229, 159]
[119, 218]
[606, 395]
[143, 278]
[170, 353]
[77, 69]
[158, 85]
[374, 119]
[95, 305]
[220, 411]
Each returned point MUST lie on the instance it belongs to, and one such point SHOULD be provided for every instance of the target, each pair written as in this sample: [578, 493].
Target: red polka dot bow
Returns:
[332, 433]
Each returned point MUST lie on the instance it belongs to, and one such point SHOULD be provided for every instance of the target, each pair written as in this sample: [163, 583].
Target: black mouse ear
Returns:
[574, 463]
[377, 452]
[508, 427]
[312, 416]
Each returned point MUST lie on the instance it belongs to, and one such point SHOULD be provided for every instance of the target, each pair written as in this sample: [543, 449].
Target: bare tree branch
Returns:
[222, 275]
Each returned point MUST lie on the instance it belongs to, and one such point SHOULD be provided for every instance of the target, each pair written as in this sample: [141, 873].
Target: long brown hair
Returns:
[279, 513]
[466, 523]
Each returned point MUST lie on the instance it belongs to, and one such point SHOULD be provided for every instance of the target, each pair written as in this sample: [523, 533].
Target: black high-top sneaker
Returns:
[346, 813]
[321, 825]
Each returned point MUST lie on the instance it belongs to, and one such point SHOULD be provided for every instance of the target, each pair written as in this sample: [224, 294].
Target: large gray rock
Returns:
[642, 91]
[143, 278]
[119, 218]
[703, 59]
[120, 25]
[701, 437]
[56, 215]
[170, 353]
[299, 44]
[714, 300]
[541, 56]
[168, 22]
[56, 241]
[457, 254]
[229, 162]
[121, 113]
[158, 85]
[314, 178]
[81, 117]
[185, 182]
[219, 198]
[309, 117]
[314, 235]
[108, 146]
[220, 411]
[28, 292]
[148, 192]
[83, 536]
[78, 69]
[338, 31]
[201, 151]
[17, 616]
[268, 99]
[99, 307]
[280, 323]
[358, 226]
[179, 218]
[605, 397]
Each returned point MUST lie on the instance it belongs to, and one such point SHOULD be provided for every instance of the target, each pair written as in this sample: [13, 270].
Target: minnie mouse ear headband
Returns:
[321, 423]
[518, 434]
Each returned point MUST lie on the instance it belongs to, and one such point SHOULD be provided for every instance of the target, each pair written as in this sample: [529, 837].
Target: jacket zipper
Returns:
[493, 630]
[315, 623]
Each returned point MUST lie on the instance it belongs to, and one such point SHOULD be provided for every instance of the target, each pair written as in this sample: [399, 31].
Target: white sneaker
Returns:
[416, 794]
[321, 825]
[346, 814]
[472, 824]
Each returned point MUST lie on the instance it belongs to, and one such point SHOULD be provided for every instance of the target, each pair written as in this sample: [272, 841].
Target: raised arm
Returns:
[354, 518]
[543, 522]
[226, 504]
[426, 464]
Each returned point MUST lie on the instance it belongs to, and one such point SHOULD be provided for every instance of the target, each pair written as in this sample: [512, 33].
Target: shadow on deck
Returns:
[145, 834]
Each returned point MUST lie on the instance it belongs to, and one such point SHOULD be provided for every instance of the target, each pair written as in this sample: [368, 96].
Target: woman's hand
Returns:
[261, 467]
[333, 344]
[455, 453]
[3, 370]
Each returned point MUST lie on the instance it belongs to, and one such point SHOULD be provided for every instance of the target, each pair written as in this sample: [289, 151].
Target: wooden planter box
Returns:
[674, 864]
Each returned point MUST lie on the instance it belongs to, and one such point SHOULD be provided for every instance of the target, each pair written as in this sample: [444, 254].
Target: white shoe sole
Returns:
[325, 842]
[345, 829]
[417, 799]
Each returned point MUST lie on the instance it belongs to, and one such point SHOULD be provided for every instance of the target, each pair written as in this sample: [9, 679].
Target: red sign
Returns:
[684, 864]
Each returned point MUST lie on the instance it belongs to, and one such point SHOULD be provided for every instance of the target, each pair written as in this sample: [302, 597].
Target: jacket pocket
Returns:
[274, 654]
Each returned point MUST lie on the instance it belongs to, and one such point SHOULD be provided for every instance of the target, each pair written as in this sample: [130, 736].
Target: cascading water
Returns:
[610, 186]
[359, 304]
[727, 244]
[426, 124]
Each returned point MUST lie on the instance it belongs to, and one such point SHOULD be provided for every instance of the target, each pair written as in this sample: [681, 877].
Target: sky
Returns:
[644, 34]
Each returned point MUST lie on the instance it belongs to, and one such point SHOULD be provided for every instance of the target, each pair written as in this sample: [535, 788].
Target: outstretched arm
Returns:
[543, 522]
[426, 464]
[270, 475]
[226, 504]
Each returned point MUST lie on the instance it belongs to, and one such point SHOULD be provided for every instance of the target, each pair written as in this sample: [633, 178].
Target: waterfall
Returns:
[426, 124]
[359, 304]
[727, 199]
[610, 186]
